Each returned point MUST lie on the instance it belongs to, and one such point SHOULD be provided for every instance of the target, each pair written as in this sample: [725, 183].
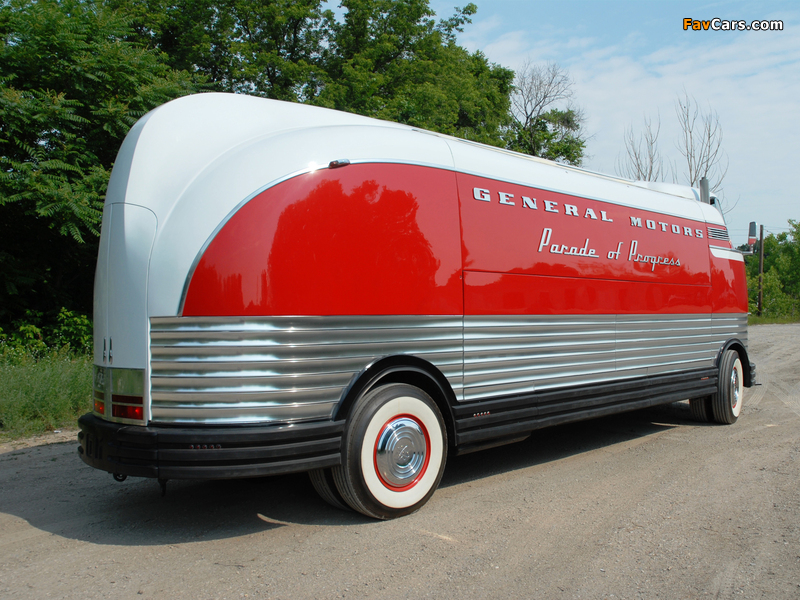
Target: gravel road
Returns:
[643, 505]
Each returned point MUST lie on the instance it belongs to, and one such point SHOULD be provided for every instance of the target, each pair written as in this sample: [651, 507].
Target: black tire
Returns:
[394, 451]
[701, 409]
[322, 480]
[727, 402]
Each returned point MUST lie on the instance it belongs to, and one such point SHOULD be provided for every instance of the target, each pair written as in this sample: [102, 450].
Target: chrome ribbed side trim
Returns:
[227, 370]
[725, 326]
[513, 355]
[517, 355]
[647, 345]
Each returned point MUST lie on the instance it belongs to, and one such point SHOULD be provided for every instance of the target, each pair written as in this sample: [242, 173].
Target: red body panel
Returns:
[369, 239]
[506, 238]
[729, 283]
[375, 239]
[512, 294]
[532, 251]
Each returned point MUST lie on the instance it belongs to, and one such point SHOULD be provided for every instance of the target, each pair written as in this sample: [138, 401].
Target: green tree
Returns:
[781, 288]
[271, 48]
[70, 89]
[555, 135]
[76, 74]
[192, 35]
[538, 126]
[387, 59]
[391, 60]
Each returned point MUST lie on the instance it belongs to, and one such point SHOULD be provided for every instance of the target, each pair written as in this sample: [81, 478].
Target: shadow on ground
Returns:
[51, 488]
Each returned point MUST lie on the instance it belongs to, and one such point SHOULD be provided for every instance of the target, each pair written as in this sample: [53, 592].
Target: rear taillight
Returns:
[99, 390]
[123, 399]
[125, 411]
[125, 406]
[119, 393]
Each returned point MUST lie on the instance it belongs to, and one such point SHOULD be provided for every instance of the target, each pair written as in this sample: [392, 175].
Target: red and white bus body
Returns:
[266, 268]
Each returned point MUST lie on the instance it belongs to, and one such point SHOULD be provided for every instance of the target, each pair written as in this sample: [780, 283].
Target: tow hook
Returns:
[120, 477]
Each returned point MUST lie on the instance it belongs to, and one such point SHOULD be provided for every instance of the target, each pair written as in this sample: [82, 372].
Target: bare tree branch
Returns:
[543, 128]
[537, 88]
[723, 203]
[643, 161]
[701, 143]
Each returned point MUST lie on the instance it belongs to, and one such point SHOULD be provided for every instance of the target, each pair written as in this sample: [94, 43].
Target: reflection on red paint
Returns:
[730, 286]
[365, 239]
[385, 239]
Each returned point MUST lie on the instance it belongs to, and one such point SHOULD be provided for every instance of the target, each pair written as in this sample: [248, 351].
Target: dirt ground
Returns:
[643, 505]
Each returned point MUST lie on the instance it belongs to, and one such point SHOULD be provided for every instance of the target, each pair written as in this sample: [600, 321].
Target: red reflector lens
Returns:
[126, 399]
[100, 407]
[127, 412]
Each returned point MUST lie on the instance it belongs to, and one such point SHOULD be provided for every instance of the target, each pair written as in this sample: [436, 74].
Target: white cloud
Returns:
[752, 80]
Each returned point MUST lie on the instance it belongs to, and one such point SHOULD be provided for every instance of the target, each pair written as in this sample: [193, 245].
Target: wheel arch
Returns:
[410, 370]
[738, 346]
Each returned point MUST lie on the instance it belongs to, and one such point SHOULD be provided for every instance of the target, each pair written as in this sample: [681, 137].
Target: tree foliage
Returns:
[390, 60]
[781, 284]
[70, 89]
[538, 126]
[387, 59]
[272, 48]
[76, 74]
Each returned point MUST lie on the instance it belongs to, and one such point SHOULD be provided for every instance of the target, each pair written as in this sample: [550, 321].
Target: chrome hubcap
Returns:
[400, 452]
[734, 388]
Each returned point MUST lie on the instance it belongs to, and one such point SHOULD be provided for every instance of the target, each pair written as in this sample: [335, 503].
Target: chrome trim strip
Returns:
[726, 326]
[266, 369]
[519, 354]
[516, 355]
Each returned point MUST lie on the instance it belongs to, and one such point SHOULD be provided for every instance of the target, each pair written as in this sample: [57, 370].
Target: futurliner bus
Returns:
[283, 288]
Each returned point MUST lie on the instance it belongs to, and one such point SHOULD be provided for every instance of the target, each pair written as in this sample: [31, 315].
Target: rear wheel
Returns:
[701, 409]
[727, 402]
[322, 480]
[394, 453]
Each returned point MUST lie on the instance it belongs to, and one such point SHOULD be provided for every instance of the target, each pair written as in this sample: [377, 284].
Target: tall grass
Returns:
[42, 391]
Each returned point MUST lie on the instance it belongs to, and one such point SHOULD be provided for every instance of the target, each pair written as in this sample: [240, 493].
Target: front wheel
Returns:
[394, 452]
[727, 402]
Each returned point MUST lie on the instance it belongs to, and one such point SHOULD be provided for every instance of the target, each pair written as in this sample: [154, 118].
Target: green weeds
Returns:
[42, 390]
[766, 320]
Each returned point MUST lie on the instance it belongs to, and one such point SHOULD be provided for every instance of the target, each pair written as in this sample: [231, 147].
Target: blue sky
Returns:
[629, 60]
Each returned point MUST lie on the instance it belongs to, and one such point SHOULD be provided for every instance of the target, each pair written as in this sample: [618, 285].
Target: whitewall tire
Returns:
[394, 451]
[727, 402]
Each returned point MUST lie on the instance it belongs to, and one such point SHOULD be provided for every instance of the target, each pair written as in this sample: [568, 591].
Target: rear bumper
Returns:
[208, 452]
